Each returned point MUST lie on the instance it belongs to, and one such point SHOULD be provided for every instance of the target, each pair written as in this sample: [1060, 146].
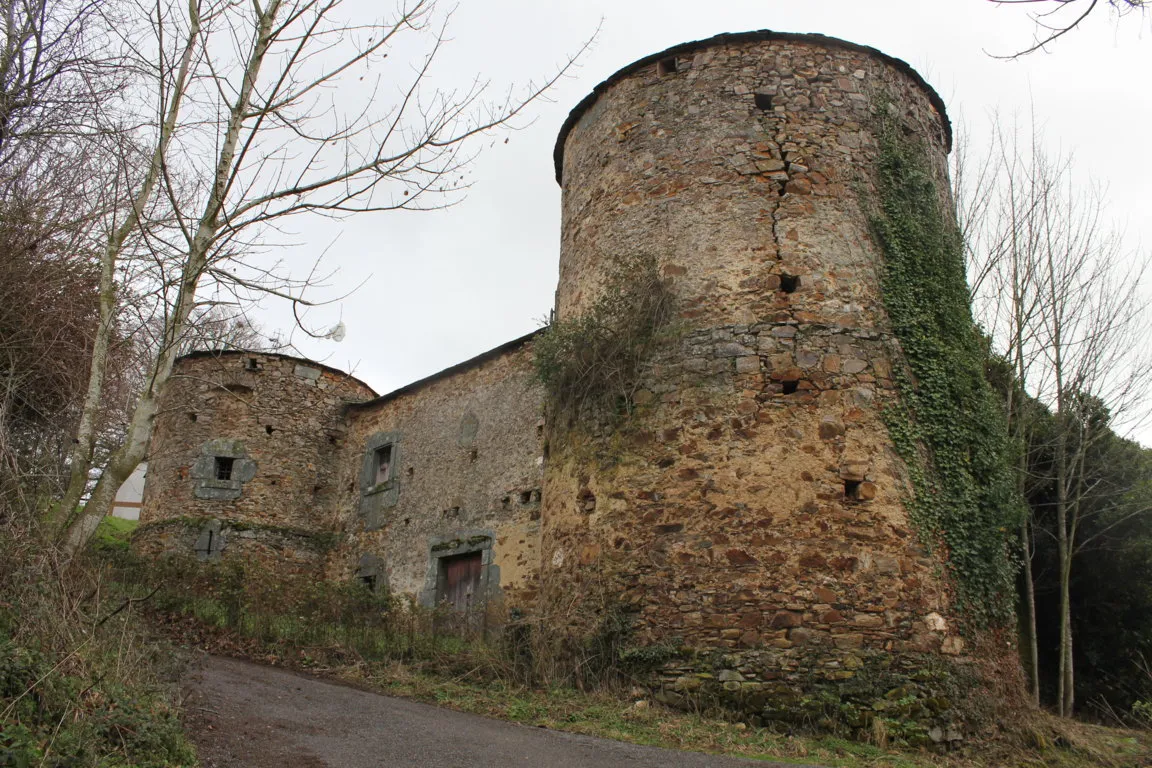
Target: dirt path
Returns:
[248, 716]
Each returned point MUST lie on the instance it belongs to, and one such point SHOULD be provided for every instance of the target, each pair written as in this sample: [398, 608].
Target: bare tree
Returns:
[1066, 306]
[56, 81]
[1057, 18]
[266, 111]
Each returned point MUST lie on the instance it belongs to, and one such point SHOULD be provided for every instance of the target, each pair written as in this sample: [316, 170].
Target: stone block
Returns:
[786, 619]
[831, 428]
[748, 364]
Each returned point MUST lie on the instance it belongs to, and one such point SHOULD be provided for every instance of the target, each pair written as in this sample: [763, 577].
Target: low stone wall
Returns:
[279, 551]
[918, 697]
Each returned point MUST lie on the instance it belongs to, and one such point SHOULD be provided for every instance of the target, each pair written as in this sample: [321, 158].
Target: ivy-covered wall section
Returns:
[948, 425]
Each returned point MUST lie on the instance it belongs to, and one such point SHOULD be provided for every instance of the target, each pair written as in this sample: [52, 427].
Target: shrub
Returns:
[81, 684]
[594, 360]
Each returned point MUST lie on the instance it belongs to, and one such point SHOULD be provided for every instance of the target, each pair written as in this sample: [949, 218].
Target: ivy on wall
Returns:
[947, 424]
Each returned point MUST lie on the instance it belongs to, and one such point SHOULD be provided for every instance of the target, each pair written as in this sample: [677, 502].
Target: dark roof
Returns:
[470, 363]
[732, 38]
[201, 353]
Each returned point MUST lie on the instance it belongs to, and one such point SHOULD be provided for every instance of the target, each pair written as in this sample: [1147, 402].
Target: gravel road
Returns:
[245, 715]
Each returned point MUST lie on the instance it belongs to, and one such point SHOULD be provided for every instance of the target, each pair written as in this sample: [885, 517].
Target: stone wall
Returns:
[753, 503]
[270, 424]
[465, 477]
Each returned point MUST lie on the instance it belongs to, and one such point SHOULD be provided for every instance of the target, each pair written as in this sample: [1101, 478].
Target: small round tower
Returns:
[754, 502]
[240, 462]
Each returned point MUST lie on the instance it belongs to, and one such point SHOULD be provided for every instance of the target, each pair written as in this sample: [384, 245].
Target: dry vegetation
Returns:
[81, 682]
[388, 645]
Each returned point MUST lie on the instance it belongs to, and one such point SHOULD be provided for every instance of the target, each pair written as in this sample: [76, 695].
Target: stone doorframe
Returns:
[461, 543]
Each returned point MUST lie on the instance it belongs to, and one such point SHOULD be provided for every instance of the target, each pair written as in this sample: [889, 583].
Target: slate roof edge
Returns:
[471, 362]
[203, 353]
[733, 38]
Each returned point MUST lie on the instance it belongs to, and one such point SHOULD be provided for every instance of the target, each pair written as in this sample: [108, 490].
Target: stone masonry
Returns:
[757, 504]
[761, 486]
[246, 439]
[750, 516]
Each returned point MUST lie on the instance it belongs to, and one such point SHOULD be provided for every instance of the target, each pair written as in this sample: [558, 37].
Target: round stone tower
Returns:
[753, 502]
[242, 459]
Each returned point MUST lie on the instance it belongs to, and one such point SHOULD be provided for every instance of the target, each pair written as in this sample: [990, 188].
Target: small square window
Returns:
[224, 467]
[666, 66]
[383, 463]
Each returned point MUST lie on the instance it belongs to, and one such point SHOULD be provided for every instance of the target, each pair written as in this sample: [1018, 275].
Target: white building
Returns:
[130, 495]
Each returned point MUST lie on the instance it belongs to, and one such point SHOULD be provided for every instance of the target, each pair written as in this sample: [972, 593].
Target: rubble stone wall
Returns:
[749, 513]
[466, 477]
[753, 503]
[275, 419]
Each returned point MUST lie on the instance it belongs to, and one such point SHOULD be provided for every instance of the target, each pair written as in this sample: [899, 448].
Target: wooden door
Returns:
[462, 581]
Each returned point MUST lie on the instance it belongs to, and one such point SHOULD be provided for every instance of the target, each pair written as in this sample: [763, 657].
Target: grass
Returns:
[83, 683]
[636, 720]
[114, 533]
[630, 719]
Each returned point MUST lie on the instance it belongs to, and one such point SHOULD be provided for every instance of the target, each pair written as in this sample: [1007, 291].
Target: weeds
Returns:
[593, 361]
[524, 673]
[80, 683]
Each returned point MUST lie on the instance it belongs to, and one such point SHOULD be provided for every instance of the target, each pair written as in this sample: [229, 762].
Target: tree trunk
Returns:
[1028, 629]
[1064, 555]
[84, 443]
[122, 463]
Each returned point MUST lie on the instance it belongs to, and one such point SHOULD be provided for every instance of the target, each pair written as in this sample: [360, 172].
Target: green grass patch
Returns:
[114, 533]
[610, 715]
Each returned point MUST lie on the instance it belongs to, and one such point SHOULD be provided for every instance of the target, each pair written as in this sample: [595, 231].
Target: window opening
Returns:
[666, 66]
[764, 101]
[789, 283]
[252, 364]
[383, 463]
[224, 467]
[369, 581]
[851, 489]
[192, 417]
[209, 542]
[790, 386]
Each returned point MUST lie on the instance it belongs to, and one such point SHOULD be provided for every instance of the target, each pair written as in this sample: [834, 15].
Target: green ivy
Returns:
[946, 425]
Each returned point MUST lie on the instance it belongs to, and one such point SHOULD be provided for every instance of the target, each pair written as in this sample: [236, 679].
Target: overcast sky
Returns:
[444, 286]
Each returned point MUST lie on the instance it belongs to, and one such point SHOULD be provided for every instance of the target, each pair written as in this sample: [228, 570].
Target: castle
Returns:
[755, 507]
